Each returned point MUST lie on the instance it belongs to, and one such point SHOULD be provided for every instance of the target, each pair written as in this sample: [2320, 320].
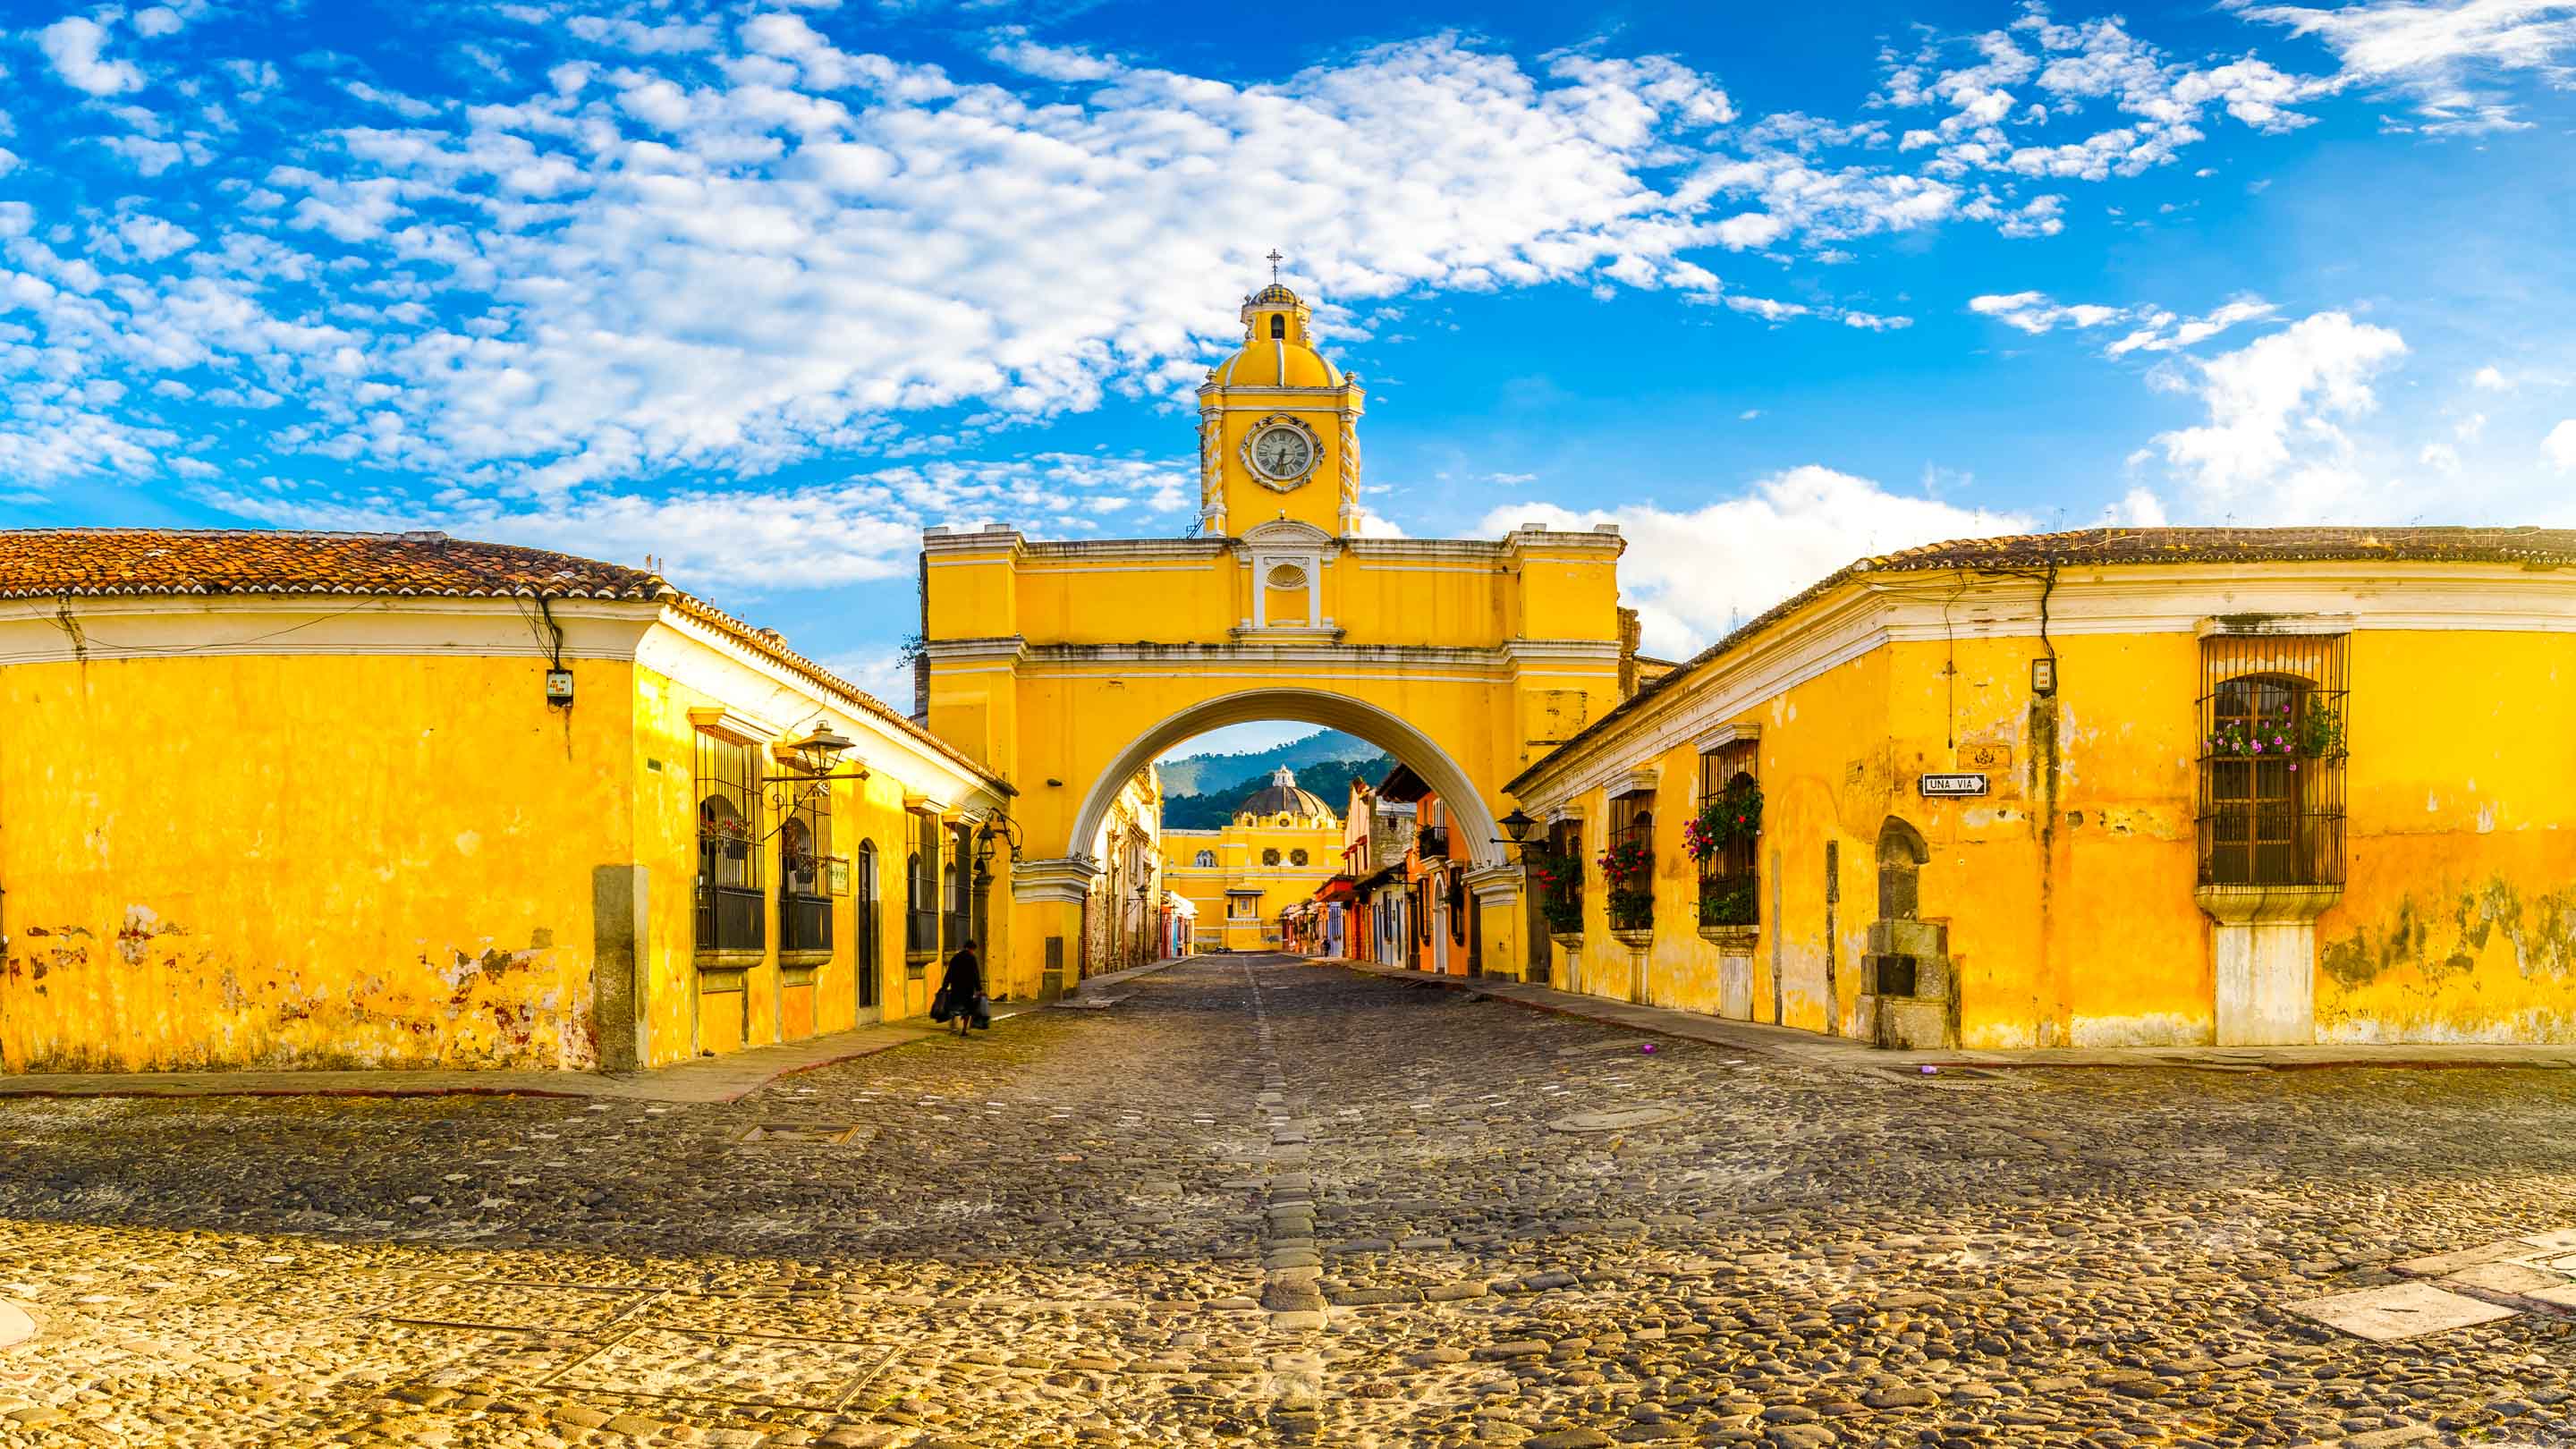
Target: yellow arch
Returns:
[1305, 705]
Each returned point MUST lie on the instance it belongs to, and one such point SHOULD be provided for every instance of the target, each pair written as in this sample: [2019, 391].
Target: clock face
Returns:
[1283, 452]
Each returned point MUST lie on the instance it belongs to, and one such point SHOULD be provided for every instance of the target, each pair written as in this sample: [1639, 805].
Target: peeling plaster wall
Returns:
[2071, 913]
[2458, 920]
[318, 860]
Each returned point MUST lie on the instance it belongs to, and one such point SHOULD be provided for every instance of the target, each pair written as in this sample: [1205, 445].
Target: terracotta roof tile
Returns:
[96, 562]
[2112, 547]
[85, 562]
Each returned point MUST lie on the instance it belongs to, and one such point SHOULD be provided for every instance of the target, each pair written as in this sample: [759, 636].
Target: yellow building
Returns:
[2117, 787]
[1122, 916]
[1282, 843]
[278, 799]
[1067, 666]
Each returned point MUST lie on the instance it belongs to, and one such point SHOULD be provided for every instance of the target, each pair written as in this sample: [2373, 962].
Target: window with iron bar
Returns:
[2274, 736]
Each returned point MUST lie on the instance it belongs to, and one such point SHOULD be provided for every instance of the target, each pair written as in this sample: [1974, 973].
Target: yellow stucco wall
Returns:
[309, 861]
[2070, 897]
[1238, 850]
[356, 850]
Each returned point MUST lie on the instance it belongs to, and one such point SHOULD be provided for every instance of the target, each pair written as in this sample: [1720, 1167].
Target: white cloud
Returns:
[1013, 50]
[2162, 331]
[151, 238]
[401, 105]
[2273, 450]
[2560, 446]
[2006, 92]
[159, 20]
[2438, 50]
[817, 536]
[2491, 379]
[77, 47]
[2034, 313]
[2138, 508]
[1692, 576]
[2151, 329]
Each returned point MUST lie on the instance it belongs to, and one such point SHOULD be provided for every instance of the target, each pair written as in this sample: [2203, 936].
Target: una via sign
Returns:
[1951, 784]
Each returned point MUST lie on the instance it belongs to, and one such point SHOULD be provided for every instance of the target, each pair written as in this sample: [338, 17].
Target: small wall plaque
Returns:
[1986, 757]
[1934, 785]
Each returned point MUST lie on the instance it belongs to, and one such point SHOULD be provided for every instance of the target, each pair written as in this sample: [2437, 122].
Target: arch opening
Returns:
[1352, 716]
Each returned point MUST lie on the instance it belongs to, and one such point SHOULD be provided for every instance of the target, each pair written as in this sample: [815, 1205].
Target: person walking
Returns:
[961, 994]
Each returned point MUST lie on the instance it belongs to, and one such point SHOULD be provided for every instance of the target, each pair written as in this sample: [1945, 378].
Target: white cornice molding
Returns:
[32, 631]
[1560, 651]
[1064, 880]
[1880, 608]
[1384, 552]
[941, 540]
[1004, 647]
[1639, 780]
[1727, 734]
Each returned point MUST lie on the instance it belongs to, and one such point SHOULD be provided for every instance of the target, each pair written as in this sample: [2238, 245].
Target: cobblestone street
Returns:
[1269, 1202]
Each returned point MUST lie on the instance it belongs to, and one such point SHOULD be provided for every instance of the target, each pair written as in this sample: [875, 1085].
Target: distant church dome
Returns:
[1278, 345]
[1281, 796]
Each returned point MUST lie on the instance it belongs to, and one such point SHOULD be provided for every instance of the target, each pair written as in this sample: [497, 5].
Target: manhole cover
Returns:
[798, 1133]
[15, 1326]
[1615, 1119]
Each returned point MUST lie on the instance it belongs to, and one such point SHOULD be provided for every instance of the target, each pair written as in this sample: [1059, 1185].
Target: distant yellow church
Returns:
[1282, 843]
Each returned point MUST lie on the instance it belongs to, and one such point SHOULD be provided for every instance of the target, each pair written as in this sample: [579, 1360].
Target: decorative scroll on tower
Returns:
[1348, 453]
[1211, 470]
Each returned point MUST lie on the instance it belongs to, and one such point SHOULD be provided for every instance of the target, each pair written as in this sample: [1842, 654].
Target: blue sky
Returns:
[761, 290]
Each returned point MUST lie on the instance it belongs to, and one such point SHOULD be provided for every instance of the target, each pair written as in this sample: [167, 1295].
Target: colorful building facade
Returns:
[1241, 880]
[2110, 788]
[1122, 917]
[338, 800]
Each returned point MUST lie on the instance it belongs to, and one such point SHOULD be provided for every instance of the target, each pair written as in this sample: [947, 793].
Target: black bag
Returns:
[941, 1008]
[983, 1012]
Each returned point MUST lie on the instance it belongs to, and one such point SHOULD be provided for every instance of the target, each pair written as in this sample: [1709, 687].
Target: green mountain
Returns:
[1208, 774]
[1323, 763]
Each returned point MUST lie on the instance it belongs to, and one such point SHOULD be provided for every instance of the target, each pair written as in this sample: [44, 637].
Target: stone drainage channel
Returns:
[1291, 1270]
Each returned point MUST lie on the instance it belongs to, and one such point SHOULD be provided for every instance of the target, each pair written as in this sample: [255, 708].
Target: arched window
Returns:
[1279, 325]
[1270, 857]
[1206, 860]
[2271, 767]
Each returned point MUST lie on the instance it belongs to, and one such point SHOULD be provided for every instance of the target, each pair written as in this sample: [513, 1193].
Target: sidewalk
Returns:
[704, 1081]
[1843, 1054]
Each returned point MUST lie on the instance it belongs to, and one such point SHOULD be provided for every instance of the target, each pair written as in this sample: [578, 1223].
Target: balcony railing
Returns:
[804, 923]
[729, 918]
[1432, 843]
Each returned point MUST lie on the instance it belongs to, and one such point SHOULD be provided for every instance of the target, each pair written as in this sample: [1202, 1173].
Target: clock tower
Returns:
[1278, 428]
